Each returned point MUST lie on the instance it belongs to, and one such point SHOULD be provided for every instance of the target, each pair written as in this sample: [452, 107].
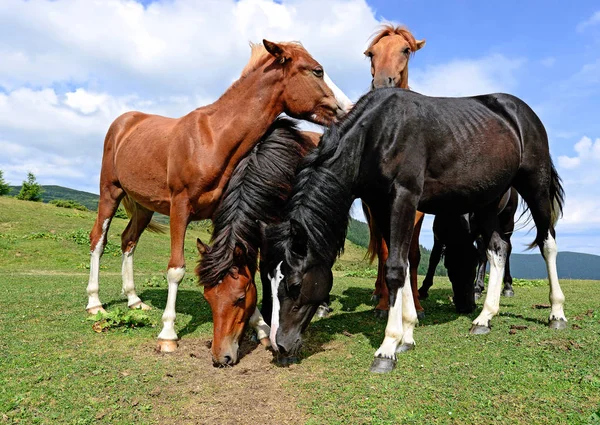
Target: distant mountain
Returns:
[571, 265]
[51, 192]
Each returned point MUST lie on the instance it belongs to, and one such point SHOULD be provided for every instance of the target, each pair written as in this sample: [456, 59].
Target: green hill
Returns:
[51, 192]
[572, 265]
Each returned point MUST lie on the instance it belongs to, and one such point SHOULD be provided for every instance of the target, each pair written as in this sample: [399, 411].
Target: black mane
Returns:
[321, 198]
[258, 189]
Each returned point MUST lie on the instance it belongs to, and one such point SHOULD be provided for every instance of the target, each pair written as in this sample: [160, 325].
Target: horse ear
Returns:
[299, 237]
[420, 44]
[234, 272]
[277, 50]
[239, 254]
[202, 247]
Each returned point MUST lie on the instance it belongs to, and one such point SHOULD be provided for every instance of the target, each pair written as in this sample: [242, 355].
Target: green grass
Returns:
[54, 369]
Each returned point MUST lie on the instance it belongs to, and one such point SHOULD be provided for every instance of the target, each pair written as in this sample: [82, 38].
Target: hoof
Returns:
[166, 346]
[382, 365]
[265, 342]
[322, 312]
[421, 314]
[558, 324]
[479, 330]
[95, 310]
[375, 299]
[140, 306]
[508, 293]
[403, 348]
[286, 361]
[477, 295]
[380, 314]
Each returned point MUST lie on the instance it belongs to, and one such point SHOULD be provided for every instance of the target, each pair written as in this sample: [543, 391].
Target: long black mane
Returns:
[322, 195]
[258, 189]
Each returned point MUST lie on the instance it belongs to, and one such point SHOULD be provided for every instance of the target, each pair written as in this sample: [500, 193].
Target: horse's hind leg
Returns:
[508, 290]
[382, 307]
[110, 196]
[541, 206]
[138, 222]
[480, 280]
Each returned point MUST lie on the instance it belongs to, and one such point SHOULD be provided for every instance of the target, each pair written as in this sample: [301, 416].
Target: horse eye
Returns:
[240, 299]
[318, 72]
[406, 51]
[295, 308]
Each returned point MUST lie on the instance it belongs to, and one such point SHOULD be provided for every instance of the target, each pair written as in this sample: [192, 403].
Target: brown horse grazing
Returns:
[389, 52]
[258, 189]
[179, 167]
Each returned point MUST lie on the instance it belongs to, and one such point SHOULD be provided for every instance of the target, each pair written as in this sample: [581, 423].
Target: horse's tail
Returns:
[131, 206]
[557, 197]
[375, 235]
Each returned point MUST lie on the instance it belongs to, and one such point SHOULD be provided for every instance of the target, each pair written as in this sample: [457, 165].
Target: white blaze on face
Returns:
[343, 101]
[275, 281]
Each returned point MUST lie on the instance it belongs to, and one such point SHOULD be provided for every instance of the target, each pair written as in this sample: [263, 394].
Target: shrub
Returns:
[31, 190]
[67, 203]
[4, 187]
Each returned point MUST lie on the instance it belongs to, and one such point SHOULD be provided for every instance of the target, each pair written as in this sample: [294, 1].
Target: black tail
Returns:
[375, 235]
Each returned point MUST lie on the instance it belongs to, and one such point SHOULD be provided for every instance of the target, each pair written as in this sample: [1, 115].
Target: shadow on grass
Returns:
[188, 302]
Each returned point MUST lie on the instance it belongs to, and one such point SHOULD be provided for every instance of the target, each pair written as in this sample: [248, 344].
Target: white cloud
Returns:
[586, 151]
[591, 21]
[494, 73]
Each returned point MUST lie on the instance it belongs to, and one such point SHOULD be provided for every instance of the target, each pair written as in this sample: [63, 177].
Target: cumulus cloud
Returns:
[586, 151]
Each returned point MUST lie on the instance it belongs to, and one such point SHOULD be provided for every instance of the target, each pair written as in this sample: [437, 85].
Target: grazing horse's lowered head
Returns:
[232, 305]
[389, 52]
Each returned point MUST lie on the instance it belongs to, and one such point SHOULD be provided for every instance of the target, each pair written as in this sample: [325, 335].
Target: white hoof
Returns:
[166, 346]
[140, 306]
[95, 310]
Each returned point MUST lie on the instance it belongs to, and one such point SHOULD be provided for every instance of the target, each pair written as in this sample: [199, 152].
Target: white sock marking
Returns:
[275, 281]
[96, 253]
[257, 322]
[174, 277]
[409, 313]
[557, 298]
[492, 300]
[127, 274]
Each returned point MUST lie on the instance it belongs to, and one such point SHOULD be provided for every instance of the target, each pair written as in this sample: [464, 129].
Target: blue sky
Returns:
[70, 67]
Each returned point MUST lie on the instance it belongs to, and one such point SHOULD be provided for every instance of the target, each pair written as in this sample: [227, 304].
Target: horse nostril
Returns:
[390, 81]
[227, 359]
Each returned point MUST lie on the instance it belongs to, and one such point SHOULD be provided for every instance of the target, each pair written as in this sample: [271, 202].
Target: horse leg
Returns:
[402, 316]
[179, 218]
[434, 260]
[382, 308]
[508, 288]
[262, 328]
[110, 196]
[414, 258]
[480, 281]
[137, 224]
[496, 255]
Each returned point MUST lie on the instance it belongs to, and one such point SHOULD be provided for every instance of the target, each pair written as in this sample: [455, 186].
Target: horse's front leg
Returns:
[402, 316]
[179, 217]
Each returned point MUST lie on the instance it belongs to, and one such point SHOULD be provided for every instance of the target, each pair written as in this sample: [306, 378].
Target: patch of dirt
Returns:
[251, 392]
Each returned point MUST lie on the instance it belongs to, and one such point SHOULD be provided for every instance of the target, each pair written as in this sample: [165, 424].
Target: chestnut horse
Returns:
[257, 190]
[180, 166]
[389, 52]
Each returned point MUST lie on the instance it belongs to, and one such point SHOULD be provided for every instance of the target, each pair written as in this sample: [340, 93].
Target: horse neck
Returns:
[324, 194]
[245, 111]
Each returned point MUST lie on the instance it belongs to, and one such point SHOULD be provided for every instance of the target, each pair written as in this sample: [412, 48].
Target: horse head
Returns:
[308, 93]
[232, 301]
[389, 52]
[300, 282]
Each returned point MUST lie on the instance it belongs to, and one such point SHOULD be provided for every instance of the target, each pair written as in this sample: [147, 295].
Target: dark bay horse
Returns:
[179, 167]
[389, 52]
[258, 190]
[400, 151]
[453, 237]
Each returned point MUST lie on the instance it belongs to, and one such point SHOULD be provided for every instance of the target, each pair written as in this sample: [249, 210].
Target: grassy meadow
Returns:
[55, 369]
